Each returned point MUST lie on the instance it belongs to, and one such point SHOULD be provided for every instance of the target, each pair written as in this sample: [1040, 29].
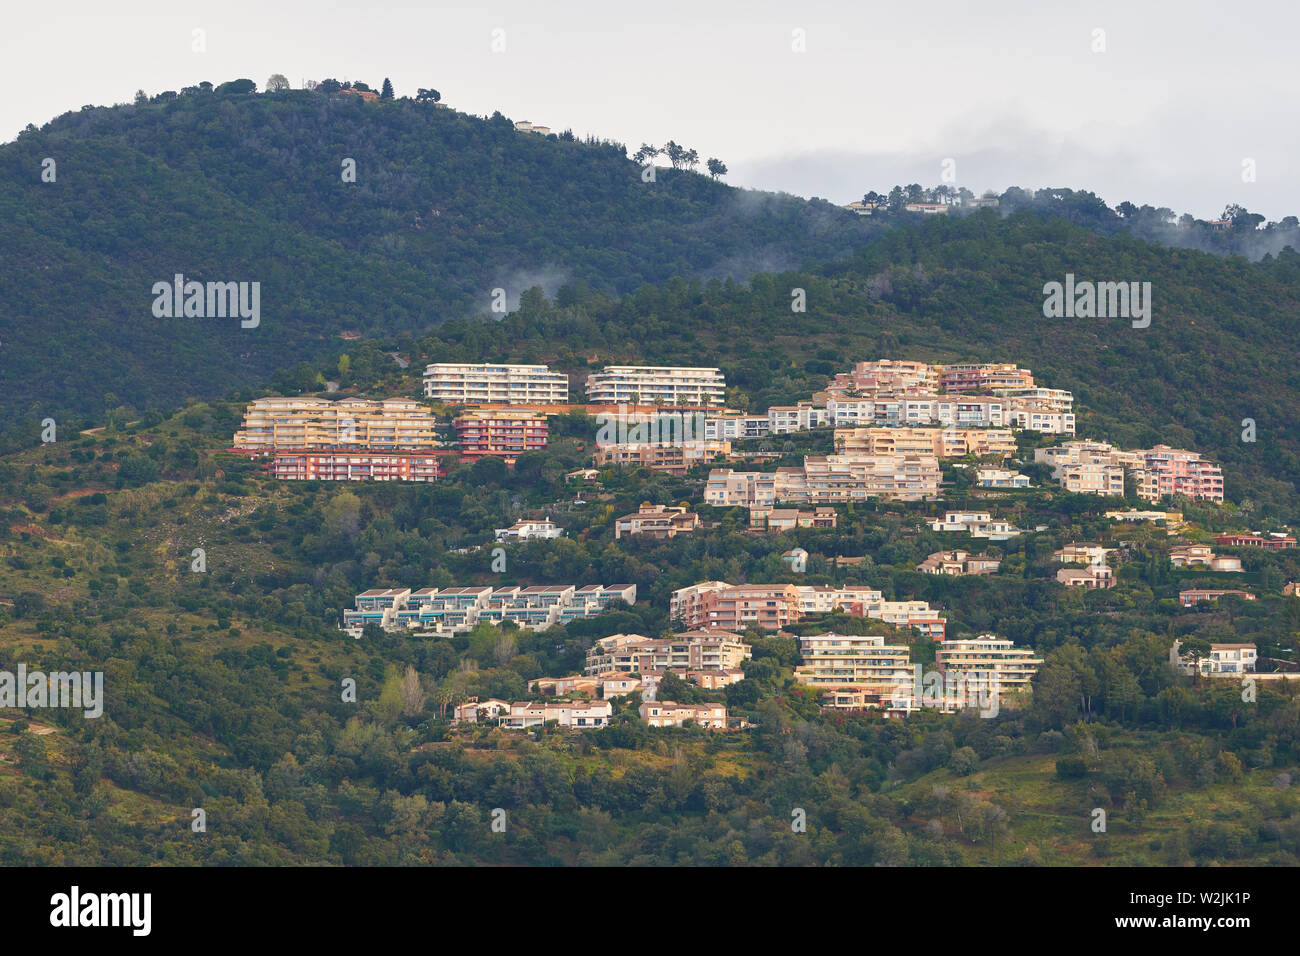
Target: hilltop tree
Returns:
[423, 95]
[716, 167]
[645, 154]
[276, 82]
[386, 91]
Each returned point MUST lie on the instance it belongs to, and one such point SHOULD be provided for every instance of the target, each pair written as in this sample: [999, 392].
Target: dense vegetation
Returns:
[223, 687]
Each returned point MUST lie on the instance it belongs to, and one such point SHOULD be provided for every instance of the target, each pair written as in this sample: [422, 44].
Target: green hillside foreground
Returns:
[223, 687]
[445, 208]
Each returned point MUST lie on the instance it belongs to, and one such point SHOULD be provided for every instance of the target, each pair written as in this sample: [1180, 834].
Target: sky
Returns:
[1188, 105]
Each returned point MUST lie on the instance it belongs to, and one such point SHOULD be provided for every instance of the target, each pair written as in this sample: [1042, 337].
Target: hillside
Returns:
[445, 208]
[222, 688]
[1219, 348]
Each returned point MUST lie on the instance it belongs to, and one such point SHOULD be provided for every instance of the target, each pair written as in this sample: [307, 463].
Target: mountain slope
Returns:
[444, 209]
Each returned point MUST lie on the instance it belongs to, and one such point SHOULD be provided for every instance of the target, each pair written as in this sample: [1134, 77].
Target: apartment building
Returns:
[674, 458]
[667, 713]
[356, 465]
[568, 714]
[950, 442]
[733, 426]
[987, 663]
[696, 650]
[784, 419]
[458, 609]
[727, 488]
[983, 377]
[503, 434]
[1271, 542]
[973, 411]
[958, 562]
[657, 385]
[884, 377]
[716, 604]
[857, 672]
[660, 522]
[462, 384]
[303, 424]
[1175, 471]
[828, 479]
[1191, 597]
[978, 524]
[1086, 468]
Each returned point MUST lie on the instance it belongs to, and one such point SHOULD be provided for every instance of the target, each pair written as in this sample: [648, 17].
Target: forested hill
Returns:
[445, 207]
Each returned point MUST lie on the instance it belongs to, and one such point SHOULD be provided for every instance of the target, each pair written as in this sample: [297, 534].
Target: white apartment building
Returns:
[657, 385]
[464, 384]
[987, 662]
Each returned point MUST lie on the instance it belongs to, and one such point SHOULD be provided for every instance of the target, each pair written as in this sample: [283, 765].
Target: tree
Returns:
[412, 693]
[716, 167]
[238, 86]
[140, 97]
[422, 95]
[329, 85]
[386, 91]
[276, 82]
[645, 154]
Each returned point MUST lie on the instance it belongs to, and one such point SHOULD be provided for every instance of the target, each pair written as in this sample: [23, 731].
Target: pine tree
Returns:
[386, 93]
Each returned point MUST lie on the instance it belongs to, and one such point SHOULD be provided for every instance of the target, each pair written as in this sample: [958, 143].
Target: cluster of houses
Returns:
[1099, 468]
[455, 610]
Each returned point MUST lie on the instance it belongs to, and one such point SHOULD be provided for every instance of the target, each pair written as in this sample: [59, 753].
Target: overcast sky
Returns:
[1014, 91]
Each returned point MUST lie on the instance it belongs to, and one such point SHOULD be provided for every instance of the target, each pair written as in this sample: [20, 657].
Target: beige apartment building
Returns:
[712, 650]
[938, 442]
[307, 423]
[857, 671]
[826, 480]
[465, 384]
[657, 385]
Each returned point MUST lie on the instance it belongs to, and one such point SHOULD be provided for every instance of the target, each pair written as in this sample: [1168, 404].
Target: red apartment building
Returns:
[354, 465]
[505, 434]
